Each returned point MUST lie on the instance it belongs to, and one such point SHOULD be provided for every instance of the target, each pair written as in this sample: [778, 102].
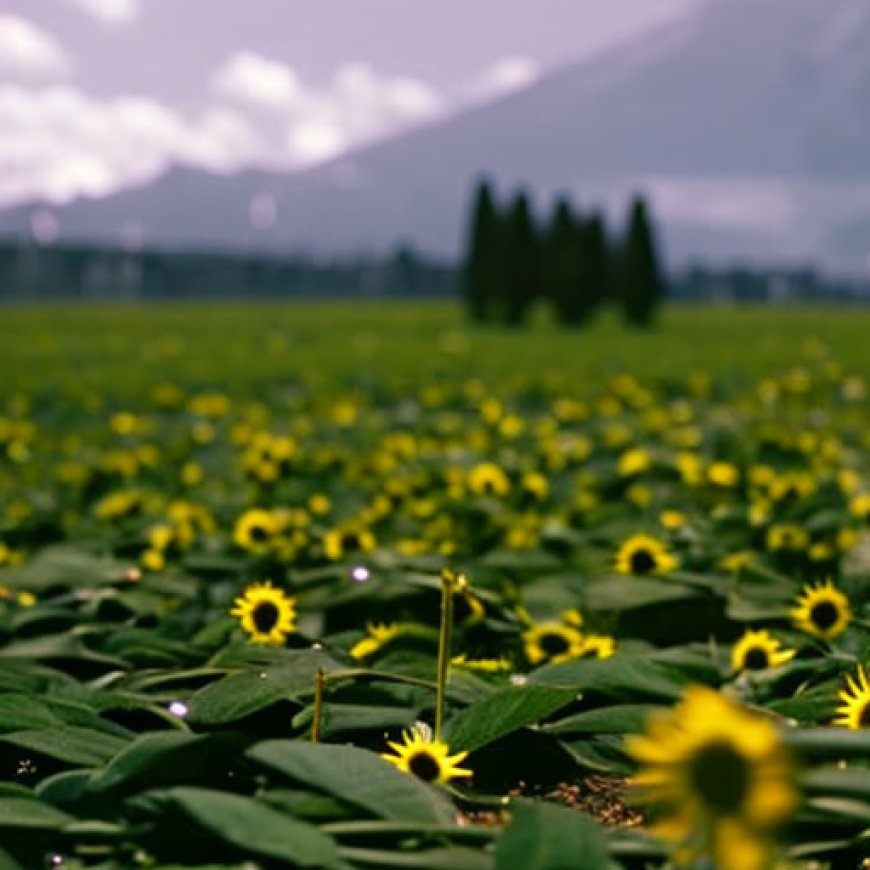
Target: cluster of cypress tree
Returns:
[512, 261]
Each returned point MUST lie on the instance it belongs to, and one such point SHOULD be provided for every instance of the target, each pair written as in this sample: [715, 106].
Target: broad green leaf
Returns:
[548, 837]
[616, 719]
[239, 695]
[20, 812]
[618, 677]
[154, 760]
[457, 858]
[83, 746]
[357, 776]
[504, 712]
[256, 828]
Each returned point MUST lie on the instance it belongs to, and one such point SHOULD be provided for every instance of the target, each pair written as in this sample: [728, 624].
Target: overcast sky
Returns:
[100, 94]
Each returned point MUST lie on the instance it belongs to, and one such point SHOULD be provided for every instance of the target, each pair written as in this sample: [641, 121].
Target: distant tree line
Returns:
[513, 259]
[29, 271]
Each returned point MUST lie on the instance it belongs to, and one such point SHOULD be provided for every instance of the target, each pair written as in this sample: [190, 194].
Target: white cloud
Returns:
[356, 106]
[258, 81]
[506, 75]
[27, 51]
[110, 11]
[58, 143]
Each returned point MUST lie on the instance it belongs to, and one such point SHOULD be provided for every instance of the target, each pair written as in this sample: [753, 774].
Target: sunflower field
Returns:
[302, 587]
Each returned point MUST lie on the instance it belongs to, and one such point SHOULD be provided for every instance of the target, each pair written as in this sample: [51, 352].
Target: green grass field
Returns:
[242, 347]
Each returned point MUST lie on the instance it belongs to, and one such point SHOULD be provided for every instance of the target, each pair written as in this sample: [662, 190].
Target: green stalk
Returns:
[318, 705]
[449, 581]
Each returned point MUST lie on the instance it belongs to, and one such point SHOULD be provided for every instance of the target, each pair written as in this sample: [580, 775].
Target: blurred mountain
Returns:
[746, 123]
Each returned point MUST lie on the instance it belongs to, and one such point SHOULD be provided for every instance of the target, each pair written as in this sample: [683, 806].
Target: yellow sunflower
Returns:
[266, 613]
[489, 666]
[822, 611]
[255, 530]
[642, 555]
[379, 635]
[716, 779]
[486, 478]
[429, 760]
[338, 543]
[598, 646]
[854, 712]
[758, 650]
[552, 642]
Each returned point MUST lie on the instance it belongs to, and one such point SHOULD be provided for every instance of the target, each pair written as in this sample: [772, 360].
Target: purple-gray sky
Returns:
[99, 94]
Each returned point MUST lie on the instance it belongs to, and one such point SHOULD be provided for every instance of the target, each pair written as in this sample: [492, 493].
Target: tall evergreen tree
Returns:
[562, 266]
[641, 282]
[482, 273]
[596, 261]
[521, 258]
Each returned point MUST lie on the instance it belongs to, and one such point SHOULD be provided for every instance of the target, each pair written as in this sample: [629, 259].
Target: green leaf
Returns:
[256, 828]
[617, 677]
[549, 837]
[616, 719]
[504, 712]
[832, 743]
[357, 776]
[427, 859]
[239, 695]
[617, 593]
[84, 746]
[154, 760]
[21, 812]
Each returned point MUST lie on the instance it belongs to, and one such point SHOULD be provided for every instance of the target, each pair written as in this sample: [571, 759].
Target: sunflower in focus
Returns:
[854, 712]
[641, 555]
[429, 760]
[716, 779]
[822, 611]
[266, 613]
[552, 642]
[758, 650]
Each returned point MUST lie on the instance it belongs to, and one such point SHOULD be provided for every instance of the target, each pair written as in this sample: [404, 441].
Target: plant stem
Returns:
[318, 705]
[449, 581]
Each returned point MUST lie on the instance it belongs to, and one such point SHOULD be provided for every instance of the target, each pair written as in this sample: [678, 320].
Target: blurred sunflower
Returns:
[379, 635]
[758, 650]
[599, 646]
[641, 555]
[429, 760]
[340, 542]
[854, 712]
[717, 780]
[487, 478]
[552, 642]
[265, 613]
[255, 530]
[822, 611]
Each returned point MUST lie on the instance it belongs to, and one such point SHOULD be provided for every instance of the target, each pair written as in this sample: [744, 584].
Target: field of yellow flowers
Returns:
[318, 588]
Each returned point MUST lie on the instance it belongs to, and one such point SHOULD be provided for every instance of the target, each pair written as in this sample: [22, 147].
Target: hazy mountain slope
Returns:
[747, 123]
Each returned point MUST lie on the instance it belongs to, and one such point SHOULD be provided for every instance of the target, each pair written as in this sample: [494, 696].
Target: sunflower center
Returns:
[265, 616]
[258, 534]
[642, 562]
[756, 659]
[424, 766]
[864, 715]
[553, 644]
[824, 615]
[350, 542]
[720, 777]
